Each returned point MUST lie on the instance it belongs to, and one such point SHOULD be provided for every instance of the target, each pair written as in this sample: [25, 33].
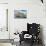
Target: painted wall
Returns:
[3, 1]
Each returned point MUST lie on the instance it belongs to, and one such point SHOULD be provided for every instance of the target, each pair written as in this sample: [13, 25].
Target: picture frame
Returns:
[20, 13]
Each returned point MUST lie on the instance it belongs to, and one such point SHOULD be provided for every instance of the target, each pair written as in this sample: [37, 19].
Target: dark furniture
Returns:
[42, 1]
[33, 30]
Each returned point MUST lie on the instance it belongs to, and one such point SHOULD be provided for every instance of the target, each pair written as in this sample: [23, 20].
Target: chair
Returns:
[33, 30]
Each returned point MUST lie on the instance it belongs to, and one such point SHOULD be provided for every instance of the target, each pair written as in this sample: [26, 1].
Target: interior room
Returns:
[18, 18]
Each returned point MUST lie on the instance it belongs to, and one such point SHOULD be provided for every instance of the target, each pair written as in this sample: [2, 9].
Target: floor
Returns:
[23, 44]
[5, 44]
[27, 44]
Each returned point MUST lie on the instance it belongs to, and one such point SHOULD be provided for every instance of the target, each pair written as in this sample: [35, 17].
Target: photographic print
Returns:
[20, 13]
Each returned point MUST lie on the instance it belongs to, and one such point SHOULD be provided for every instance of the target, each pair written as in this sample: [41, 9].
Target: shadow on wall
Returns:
[41, 34]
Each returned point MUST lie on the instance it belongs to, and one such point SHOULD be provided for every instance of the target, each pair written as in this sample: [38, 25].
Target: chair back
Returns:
[33, 28]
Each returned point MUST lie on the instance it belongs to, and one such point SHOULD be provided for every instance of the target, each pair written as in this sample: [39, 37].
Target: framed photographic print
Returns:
[20, 13]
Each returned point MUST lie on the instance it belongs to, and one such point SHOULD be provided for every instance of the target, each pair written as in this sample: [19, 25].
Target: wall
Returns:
[3, 1]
